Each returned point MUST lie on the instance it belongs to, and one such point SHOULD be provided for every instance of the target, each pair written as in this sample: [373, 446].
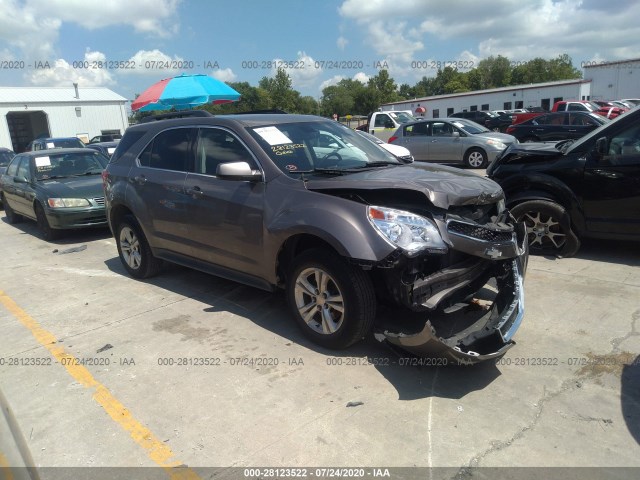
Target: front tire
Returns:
[134, 251]
[475, 158]
[332, 301]
[548, 228]
[46, 231]
[12, 216]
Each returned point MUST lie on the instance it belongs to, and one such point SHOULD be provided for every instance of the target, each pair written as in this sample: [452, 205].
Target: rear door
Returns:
[612, 185]
[444, 146]
[225, 216]
[415, 137]
[157, 183]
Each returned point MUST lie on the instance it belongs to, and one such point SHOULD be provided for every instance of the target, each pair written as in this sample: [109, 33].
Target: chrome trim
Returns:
[518, 303]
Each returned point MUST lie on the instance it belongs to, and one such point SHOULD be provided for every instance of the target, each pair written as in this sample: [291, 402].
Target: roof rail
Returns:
[179, 114]
[273, 110]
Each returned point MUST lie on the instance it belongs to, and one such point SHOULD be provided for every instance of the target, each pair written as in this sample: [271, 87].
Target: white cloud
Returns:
[155, 62]
[361, 77]
[342, 42]
[63, 73]
[331, 81]
[303, 71]
[224, 75]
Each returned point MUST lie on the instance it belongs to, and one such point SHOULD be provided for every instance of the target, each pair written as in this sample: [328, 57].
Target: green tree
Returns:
[279, 90]
[385, 86]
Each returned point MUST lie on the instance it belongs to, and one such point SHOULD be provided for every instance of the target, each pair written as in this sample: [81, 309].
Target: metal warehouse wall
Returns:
[529, 96]
[614, 81]
[65, 121]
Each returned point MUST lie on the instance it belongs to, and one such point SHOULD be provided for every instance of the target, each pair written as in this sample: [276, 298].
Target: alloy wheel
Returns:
[130, 247]
[319, 301]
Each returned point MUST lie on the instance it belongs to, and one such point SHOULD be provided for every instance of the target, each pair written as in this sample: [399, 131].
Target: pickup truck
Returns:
[573, 106]
[384, 124]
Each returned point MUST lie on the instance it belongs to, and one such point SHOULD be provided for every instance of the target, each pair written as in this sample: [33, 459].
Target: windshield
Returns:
[370, 137]
[402, 117]
[315, 147]
[5, 158]
[594, 134]
[471, 128]
[64, 143]
[69, 165]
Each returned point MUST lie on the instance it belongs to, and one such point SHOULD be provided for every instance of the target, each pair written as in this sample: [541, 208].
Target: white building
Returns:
[27, 113]
[613, 80]
[506, 98]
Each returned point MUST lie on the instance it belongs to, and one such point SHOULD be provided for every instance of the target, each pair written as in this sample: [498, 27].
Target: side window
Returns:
[381, 120]
[23, 169]
[417, 129]
[216, 146]
[170, 150]
[441, 129]
[12, 169]
[626, 146]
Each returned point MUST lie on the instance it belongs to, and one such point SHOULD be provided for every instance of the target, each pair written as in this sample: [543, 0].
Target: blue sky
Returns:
[325, 40]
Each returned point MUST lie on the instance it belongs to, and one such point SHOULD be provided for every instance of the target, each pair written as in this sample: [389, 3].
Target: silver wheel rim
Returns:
[543, 231]
[475, 159]
[319, 301]
[130, 248]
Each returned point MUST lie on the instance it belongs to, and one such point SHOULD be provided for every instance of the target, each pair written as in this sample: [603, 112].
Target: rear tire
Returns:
[548, 228]
[133, 249]
[332, 301]
[12, 217]
[46, 231]
[475, 158]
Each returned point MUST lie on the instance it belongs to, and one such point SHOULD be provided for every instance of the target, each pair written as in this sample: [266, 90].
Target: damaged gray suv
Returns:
[304, 204]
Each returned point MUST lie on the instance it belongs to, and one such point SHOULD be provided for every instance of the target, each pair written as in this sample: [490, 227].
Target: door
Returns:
[578, 125]
[20, 194]
[612, 185]
[415, 138]
[225, 216]
[157, 182]
[383, 127]
[444, 146]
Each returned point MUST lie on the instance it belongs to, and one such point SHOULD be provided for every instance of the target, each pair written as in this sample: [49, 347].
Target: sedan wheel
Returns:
[332, 301]
[47, 232]
[475, 158]
[12, 217]
[548, 228]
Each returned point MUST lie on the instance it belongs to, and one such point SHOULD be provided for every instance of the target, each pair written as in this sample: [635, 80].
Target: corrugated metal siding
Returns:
[615, 81]
[22, 95]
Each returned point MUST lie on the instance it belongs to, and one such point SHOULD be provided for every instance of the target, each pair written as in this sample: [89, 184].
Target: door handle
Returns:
[140, 179]
[195, 191]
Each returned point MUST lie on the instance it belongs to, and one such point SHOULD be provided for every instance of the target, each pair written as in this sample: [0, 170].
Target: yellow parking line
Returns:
[5, 468]
[156, 450]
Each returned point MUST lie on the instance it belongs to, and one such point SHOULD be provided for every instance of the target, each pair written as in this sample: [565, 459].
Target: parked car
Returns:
[634, 101]
[59, 189]
[401, 153]
[451, 140]
[112, 137]
[106, 148]
[556, 126]
[572, 189]
[259, 199]
[492, 121]
[49, 143]
[5, 157]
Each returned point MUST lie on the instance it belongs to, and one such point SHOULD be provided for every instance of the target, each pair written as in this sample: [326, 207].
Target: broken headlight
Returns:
[412, 233]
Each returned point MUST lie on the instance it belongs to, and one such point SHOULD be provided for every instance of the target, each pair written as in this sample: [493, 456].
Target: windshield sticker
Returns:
[50, 145]
[272, 135]
[458, 124]
[111, 150]
[291, 168]
[43, 162]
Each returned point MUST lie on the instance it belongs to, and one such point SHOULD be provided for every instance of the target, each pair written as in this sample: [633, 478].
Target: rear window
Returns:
[130, 137]
[5, 158]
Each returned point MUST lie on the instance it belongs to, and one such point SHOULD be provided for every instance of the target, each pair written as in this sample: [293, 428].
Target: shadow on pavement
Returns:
[412, 378]
[630, 397]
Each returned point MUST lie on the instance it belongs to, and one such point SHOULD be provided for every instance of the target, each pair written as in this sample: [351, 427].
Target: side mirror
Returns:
[238, 171]
[455, 134]
[20, 180]
[601, 146]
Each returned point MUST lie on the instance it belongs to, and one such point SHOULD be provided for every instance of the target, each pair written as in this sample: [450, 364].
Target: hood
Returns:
[443, 186]
[73, 187]
[535, 148]
[503, 137]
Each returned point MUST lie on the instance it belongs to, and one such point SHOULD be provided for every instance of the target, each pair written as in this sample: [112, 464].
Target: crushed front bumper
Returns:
[477, 328]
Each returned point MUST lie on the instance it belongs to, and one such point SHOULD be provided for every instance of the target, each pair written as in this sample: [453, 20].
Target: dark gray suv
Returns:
[305, 204]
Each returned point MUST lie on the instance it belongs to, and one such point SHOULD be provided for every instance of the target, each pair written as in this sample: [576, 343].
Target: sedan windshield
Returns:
[68, 165]
[319, 147]
[402, 117]
[472, 128]
[5, 158]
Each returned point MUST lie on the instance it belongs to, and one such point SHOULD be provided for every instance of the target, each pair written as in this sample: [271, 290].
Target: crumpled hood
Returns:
[73, 187]
[443, 186]
[534, 148]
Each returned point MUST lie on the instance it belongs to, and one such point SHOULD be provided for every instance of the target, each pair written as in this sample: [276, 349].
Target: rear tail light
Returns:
[392, 139]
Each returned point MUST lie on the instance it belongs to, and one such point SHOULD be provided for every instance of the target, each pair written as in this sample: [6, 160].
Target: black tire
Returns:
[476, 158]
[12, 217]
[46, 231]
[133, 249]
[548, 228]
[345, 282]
